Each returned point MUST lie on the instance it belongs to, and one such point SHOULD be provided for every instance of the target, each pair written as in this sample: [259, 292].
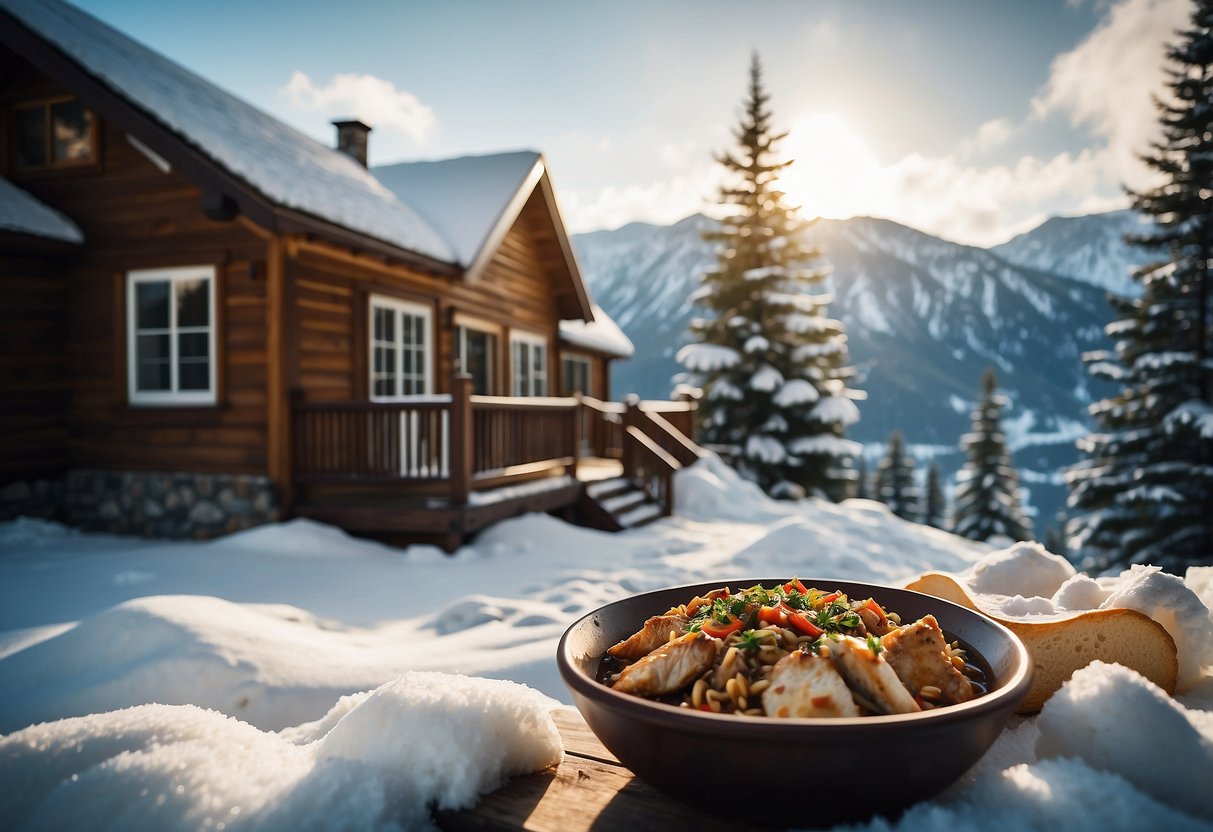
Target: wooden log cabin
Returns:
[213, 321]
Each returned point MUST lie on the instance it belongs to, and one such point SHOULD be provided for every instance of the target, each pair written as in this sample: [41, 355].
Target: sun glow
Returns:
[835, 173]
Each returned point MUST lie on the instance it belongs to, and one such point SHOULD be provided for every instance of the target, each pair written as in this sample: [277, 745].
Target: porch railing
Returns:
[454, 444]
[601, 427]
[373, 441]
[457, 441]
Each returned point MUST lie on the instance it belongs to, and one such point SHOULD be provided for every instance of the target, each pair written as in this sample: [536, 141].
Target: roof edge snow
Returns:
[23, 213]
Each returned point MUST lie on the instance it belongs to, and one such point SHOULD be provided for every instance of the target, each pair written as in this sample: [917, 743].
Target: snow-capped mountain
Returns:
[1090, 248]
[924, 318]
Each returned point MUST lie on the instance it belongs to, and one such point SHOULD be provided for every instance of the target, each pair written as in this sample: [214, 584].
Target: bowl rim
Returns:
[1008, 695]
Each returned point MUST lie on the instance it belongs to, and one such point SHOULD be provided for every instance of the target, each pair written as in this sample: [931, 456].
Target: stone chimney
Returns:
[351, 138]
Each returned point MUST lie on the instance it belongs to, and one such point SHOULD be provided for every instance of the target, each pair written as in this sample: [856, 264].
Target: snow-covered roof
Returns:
[23, 213]
[465, 198]
[602, 334]
[282, 164]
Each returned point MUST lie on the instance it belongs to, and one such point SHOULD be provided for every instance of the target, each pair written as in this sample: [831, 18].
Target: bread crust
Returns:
[1062, 644]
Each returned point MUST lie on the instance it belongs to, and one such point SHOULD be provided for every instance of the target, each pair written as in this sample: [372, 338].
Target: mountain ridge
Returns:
[924, 317]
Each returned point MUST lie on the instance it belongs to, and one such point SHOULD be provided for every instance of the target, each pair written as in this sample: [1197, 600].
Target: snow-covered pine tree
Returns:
[1144, 492]
[773, 366]
[935, 508]
[986, 504]
[895, 486]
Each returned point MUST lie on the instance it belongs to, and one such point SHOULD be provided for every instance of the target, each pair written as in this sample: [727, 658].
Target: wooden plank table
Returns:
[591, 789]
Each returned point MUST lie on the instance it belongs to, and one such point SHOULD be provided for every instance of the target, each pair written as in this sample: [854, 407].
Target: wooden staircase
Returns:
[617, 504]
[651, 450]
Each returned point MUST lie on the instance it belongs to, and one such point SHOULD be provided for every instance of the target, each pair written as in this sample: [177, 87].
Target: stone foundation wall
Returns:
[171, 505]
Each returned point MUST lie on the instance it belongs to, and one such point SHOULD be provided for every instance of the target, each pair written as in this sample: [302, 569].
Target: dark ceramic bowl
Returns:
[807, 772]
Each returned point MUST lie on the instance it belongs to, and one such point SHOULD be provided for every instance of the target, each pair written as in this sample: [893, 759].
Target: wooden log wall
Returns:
[133, 215]
[329, 295]
[33, 365]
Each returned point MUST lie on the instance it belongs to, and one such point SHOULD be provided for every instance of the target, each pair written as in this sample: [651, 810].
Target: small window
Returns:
[575, 370]
[54, 134]
[475, 352]
[529, 362]
[171, 336]
[400, 349]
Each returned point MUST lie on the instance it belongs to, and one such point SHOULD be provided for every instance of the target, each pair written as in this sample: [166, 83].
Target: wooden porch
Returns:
[444, 467]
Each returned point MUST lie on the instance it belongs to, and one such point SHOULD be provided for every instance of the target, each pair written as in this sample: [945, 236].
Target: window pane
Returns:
[194, 374]
[406, 328]
[193, 345]
[151, 304]
[31, 138]
[152, 363]
[71, 129]
[385, 386]
[385, 325]
[478, 362]
[193, 303]
[522, 369]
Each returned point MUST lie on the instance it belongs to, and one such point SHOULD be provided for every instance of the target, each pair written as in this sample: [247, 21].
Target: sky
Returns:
[971, 119]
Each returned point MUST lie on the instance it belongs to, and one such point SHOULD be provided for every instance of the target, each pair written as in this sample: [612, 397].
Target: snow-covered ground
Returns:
[281, 629]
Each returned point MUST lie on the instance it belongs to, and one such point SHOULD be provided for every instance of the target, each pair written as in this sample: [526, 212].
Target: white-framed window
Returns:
[170, 336]
[575, 373]
[476, 353]
[528, 364]
[401, 349]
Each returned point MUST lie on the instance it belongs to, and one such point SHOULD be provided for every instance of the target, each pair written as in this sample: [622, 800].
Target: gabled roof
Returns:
[288, 168]
[475, 200]
[466, 198]
[22, 213]
[450, 215]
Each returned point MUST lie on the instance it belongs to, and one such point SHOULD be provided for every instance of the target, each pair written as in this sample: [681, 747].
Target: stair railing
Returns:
[650, 468]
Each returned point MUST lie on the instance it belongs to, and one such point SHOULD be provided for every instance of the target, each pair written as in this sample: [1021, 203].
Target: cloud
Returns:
[1105, 83]
[993, 133]
[660, 201]
[372, 100]
[983, 205]
[1102, 86]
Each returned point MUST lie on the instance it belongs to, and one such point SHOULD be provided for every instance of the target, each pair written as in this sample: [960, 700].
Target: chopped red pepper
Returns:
[717, 630]
[874, 607]
[795, 585]
[773, 615]
[801, 623]
[833, 596]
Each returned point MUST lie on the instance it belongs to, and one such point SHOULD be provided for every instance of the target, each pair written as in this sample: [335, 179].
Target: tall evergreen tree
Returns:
[772, 364]
[935, 508]
[987, 487]
[1144, 492]
[863, 483]
[895, 486]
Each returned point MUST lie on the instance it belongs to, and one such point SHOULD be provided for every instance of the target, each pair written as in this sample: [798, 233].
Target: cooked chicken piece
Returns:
[656, 632]
[870, 677]
[919, 655]
[803, 684]
[668, 668]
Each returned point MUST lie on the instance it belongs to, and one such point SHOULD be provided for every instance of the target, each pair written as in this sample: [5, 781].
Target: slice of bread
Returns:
[1062, 644]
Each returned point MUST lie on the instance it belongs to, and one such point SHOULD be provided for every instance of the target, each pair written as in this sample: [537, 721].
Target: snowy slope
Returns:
[271, 627]
[1089, 248]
